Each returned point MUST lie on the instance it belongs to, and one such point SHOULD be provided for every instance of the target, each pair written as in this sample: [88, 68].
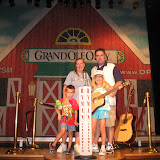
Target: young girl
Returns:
[100, 85]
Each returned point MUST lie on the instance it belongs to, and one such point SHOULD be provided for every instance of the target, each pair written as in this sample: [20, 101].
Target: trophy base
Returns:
[14, 151]
[151, 150]
[116, 146]
[86, 157]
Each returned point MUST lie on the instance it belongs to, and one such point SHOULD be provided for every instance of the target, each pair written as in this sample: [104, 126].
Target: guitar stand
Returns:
[129, 145]
[131, 149]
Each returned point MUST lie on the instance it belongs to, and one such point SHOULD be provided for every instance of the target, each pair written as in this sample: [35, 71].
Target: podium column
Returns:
[85, 123]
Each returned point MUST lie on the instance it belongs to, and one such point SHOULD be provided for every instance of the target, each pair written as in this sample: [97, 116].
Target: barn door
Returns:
[48, 91]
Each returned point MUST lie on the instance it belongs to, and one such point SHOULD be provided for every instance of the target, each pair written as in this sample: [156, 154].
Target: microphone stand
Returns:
[15, 150]
[150, 149]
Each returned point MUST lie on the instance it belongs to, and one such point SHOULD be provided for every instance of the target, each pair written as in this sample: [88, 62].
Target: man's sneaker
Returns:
[109, 148]
[77, 148]
[52, 148]
[62, 148]
[95, 148]
[68, 151]
[102, 152]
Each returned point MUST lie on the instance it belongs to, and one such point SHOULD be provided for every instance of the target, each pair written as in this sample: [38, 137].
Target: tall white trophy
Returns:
[85, 123]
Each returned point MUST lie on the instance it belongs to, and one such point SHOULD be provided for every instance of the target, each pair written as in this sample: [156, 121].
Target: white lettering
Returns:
[5, 70]
[142, 72]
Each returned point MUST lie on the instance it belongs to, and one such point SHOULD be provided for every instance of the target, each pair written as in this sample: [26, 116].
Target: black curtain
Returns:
[153, 25]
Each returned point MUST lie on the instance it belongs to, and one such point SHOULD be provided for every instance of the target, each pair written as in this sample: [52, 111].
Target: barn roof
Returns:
[107, 19]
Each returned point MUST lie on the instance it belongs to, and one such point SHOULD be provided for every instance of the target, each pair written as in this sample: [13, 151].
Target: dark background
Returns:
[153, 25]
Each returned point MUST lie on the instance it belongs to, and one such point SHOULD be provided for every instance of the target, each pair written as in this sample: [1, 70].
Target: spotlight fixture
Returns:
[66, 2]
[111, 4]
[98, 4]
[135, 5]
[48, 4]
[74, 3]
[11, 3]
[148, 3]
[37, 3]
[120, 2]
[81, 3]
[88, 1]
[29, 1]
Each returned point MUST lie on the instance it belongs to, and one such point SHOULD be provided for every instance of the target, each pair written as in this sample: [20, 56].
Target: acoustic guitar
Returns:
[125, 131]
[97, 98]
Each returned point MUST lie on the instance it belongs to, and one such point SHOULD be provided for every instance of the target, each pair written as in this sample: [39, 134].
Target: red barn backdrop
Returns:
[53, 30]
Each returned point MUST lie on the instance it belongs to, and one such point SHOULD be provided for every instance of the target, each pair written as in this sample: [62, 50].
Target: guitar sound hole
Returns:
[125, 121]
[123, 130]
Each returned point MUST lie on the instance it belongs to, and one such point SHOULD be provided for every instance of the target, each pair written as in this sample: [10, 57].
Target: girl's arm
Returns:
[109, 87]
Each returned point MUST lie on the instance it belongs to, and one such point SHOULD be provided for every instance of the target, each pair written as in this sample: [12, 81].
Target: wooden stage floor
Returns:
[123, 153]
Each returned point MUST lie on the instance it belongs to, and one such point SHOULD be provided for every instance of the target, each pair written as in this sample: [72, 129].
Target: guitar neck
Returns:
[108, 92]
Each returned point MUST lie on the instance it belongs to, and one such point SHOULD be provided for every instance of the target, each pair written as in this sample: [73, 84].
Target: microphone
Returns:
[84, 77]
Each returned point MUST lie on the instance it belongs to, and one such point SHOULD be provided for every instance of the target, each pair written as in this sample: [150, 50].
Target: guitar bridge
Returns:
[95, 100]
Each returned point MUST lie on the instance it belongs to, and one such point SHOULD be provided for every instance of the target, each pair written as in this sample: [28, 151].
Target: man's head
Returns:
[100, 56]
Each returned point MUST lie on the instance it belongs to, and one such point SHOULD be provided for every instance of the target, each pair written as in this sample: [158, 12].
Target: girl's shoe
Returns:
[95, 148]
[102, 152]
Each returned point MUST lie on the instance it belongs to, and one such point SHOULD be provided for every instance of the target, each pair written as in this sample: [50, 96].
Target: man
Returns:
[113, 76]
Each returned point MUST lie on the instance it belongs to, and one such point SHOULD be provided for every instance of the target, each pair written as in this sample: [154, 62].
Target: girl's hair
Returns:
[75, 64]
[94, 85]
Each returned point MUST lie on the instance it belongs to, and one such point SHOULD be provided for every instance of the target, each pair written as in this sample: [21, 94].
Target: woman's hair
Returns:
[75, 64]
[94, 85]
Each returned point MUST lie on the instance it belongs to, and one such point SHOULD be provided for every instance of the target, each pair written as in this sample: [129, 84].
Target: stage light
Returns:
[81, 3]
[148, 3]
[111, 4]
[135, 5]
[74, 3]
[120, 2]
[98, 4]
[66, 2]
[29, 1]
[60, 1]
[88, 1]
[11, 3]
[48, 4]
[37, 3]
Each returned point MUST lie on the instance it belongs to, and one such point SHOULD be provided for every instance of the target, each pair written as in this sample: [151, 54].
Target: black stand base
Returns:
[85, 157]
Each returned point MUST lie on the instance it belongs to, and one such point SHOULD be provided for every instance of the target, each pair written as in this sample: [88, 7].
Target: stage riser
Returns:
[21, 158]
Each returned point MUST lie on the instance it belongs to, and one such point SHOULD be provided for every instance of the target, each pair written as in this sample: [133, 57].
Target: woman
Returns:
[77, 78]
